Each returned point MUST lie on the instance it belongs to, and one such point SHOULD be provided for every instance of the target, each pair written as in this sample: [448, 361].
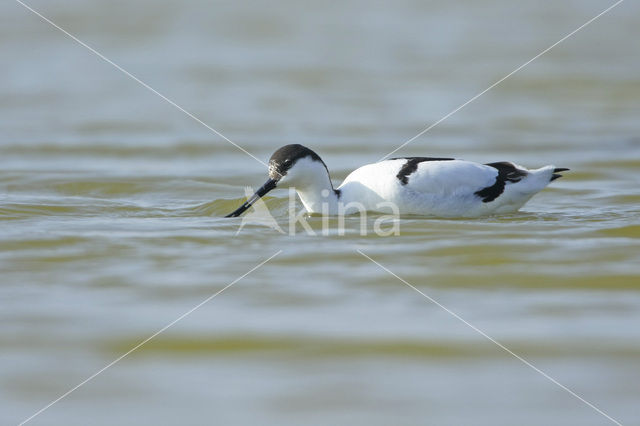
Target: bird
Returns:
[425, 186]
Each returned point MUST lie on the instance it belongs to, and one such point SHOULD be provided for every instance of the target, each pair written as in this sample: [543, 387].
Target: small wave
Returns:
[306, 347]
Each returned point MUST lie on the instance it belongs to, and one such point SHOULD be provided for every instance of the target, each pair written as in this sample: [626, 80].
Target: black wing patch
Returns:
[507, 172]
[412, 165]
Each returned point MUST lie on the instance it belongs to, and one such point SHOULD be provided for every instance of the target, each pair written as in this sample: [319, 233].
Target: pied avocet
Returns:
[443, 187]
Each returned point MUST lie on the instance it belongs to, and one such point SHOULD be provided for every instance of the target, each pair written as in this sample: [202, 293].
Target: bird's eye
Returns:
[287, 162]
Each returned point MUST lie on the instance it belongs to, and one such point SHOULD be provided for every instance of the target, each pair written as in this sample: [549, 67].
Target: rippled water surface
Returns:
[111, 205]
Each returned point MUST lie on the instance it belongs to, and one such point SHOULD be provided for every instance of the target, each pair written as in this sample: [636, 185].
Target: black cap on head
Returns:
[284, 158]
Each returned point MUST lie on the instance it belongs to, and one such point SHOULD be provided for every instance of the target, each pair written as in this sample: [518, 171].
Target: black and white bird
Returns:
[441, 187]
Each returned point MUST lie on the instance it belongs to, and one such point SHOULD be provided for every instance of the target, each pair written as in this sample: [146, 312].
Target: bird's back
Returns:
[445, 187]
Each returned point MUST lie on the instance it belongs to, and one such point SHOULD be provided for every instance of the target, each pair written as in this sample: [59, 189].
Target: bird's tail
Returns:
[556, 172]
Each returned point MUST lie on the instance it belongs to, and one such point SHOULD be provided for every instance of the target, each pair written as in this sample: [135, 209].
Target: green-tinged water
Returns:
[111, 205]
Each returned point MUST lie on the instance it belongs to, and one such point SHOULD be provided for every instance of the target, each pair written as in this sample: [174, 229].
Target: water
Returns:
[111, 203]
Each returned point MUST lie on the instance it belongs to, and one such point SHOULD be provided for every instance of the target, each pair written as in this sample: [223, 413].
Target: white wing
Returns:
[451, 177]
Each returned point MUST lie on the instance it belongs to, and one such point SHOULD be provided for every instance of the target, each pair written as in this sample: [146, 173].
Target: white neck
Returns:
[313, 185]
[321, 199]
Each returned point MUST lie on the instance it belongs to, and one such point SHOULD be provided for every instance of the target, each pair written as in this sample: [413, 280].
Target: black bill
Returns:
[268, 186]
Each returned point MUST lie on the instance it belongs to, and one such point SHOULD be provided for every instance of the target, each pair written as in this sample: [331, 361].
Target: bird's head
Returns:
[292, 165]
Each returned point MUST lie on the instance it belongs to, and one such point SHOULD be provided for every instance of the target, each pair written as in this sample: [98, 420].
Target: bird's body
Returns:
[442, 187]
